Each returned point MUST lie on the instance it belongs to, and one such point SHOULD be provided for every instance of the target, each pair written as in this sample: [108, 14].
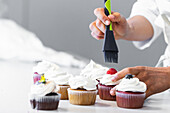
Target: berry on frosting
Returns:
[36, 77]
[35, 73]
[111, 71]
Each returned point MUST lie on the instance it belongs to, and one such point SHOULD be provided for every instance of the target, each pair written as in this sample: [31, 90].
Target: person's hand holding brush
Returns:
[137, 28]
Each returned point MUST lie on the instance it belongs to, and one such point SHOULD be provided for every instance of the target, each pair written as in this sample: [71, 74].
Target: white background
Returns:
[63, 25]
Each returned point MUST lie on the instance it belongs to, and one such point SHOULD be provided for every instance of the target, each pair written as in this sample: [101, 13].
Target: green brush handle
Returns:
[107, 10]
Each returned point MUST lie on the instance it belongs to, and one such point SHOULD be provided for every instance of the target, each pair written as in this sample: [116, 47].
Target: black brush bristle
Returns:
[111, 57]
[110, 48]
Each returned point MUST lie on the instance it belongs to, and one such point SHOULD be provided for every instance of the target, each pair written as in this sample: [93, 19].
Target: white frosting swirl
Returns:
[132, 84]
[43, 66]
[94, 71]
[63, 80]
[82, 82]
[50, 70]
[43, 89]
[52, 73]
[106, 80]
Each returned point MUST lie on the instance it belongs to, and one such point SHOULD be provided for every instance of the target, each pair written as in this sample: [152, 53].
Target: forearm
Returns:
[140, 29]
[168, 76]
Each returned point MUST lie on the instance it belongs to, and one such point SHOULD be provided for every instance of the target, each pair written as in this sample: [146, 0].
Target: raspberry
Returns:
[111, 71]
[35, 73]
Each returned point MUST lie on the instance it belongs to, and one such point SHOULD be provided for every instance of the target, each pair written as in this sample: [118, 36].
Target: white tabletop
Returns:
[16, 79]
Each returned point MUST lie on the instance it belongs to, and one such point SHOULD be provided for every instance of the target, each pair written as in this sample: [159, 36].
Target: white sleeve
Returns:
[148, 9]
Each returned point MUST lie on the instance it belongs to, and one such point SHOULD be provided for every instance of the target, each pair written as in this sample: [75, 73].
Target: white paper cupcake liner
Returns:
[79, 97]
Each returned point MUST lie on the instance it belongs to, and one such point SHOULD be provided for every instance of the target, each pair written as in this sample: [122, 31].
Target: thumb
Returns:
[113, 91]
[117, 17]
[148, 93]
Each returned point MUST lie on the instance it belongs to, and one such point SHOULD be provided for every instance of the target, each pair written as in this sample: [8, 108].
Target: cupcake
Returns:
[62, 85]
[55, 73]
[106, 85]
[82, 91]
[130, 93]
[43, 96]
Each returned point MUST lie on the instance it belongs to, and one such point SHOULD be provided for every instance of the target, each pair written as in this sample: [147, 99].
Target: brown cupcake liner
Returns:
[44, 102]
[130, 100]
[82, 97]
[62, 89]
[104, 92]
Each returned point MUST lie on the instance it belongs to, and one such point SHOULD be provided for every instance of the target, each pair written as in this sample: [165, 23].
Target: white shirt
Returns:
[157, 12]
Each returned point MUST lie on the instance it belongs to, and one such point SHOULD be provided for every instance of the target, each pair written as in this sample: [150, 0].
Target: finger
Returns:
[121, 74]
[150, 88]
[97, 37]
[91, 26]
[95, 29]
[148, 93]
[100, 25]
[113, 91]
[99, 12]
[117, 17]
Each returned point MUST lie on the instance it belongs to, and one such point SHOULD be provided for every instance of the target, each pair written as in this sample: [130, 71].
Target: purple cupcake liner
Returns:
[104, 92]
[130, 100]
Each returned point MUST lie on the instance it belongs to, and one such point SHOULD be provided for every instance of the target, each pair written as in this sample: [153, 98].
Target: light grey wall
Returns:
[63, 25]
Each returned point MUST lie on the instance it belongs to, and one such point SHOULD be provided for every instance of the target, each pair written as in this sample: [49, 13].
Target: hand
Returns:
[119, 24]
[157, 79]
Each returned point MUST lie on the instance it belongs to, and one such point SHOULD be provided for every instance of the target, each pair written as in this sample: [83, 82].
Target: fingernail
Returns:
[114, 77]
[107, 22]
[112, 16]
[111, 92]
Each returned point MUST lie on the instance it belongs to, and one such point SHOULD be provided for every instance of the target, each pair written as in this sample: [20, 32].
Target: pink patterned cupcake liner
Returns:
[130, 99]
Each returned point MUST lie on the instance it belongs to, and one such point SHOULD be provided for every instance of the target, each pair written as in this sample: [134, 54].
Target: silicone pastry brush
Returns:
[110, 48]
